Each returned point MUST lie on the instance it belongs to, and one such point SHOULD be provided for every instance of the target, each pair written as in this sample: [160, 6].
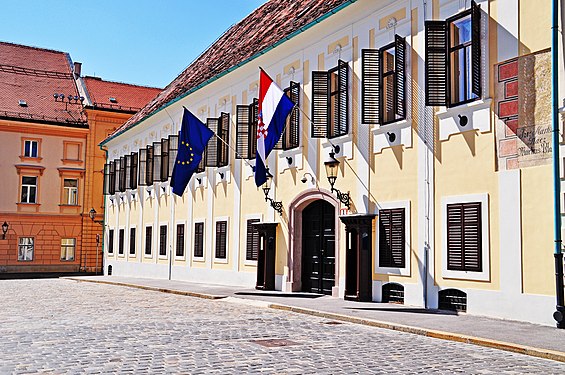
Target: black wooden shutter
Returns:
[180, 240]
[252, 245]
[212, 148]
[117, 174]
[127, 172]
[173, 151]
[134, 166]
[149, 166]
[112, 178]
[242, 127]
[164, 159]
[292, 136]
[436, 63]
[476, 49]
[148, 240]
[132, 241]
[464, 239]
[123, 173]
[106, 186]
[142, 167]
[254, 113]
[320, 104]
[392, 238]
[221, 231]
[400, 76]
[342, 115]
[223, 139]
[199, 240]
[370, 86]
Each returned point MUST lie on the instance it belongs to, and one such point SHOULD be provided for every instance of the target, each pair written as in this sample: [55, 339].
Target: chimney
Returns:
[76, 69]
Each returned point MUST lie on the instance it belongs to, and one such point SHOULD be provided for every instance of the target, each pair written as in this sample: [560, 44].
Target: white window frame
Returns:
[126, 235]
[227, 258]
[245, 261]
[484, 275]
[405, 271]
[203, 257]
[68, 193]
[167, 244]
[28, 188]
[31, 142]
[66, 246]
[130, 255]
[110, 251]
[23, 252]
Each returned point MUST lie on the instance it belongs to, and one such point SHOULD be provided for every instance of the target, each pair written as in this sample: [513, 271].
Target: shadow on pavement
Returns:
[405, 310]
[268, 294]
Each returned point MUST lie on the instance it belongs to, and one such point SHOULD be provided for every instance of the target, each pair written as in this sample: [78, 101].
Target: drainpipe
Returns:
[559, 314]
[103, 148]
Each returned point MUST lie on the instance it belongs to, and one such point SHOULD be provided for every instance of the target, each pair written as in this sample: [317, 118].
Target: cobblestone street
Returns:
[59, 326]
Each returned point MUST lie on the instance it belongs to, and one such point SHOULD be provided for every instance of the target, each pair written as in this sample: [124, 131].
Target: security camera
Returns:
[304, 180]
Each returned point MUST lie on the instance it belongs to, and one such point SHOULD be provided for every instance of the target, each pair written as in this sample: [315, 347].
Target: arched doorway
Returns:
[318, 247]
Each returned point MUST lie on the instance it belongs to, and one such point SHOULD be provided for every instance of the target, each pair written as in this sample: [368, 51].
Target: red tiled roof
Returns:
[128, 98]
[272, 22]
[33, 75]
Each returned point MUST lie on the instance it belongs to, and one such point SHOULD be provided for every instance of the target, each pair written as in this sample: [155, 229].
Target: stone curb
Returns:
[501, 345]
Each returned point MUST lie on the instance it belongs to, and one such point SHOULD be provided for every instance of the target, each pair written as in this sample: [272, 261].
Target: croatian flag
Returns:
[274, 107]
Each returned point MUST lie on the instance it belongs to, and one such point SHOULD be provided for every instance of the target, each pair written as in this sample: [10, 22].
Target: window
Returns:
[127, 172]
[133, 172]
[163, 240]
[252, 240]
[246, 130]
[107, 179]
[221, 237]
[117, 175]
[291, 136]
[25, 248]
[149, 166]
[68, 249]
[217, 151]
[392, 238]
[199, 240]
[464, 237]
[164, 159]
[121, 239]
[111, 241]
[156, 161]
[330, 98]
[180, 240]
[30, 149]
[383, 83]
[132, 241]
[29, 189]
[70, 193]
[142, 167]
[453, 59]
[148, 240]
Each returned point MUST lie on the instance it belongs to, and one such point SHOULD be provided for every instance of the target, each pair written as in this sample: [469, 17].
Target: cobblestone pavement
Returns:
[60, 326]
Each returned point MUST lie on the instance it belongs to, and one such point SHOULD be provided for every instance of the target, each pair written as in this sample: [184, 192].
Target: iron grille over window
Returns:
[180, 240]
[330, 102]
[217, 150]
[383, 93]
[453, 59]
[132, 241]
[163, 240]
[199, 240]
[246, 130]
[252, 240]
[464, 237]
[173, 151]
[148, 240]
[392, 238]
[221, 237]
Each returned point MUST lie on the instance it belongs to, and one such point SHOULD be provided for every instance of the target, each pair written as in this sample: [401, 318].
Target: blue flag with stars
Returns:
[193, 138]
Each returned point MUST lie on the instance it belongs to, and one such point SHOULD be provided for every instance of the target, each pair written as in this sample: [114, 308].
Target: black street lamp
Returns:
[4, 230]
[92, 215]
[332, 167]
[277, 205]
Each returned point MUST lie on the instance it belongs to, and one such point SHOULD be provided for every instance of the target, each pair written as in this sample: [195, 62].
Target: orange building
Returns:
[51, 121]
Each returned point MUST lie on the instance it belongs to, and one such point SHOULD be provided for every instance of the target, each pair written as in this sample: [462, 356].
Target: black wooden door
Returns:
[318, 247]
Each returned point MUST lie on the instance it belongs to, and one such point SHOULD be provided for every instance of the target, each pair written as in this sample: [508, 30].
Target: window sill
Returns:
[252, 263]
[28, 207]
[393, 134]
[198, 259]
[477, 113]
[392, 271]
[25, 260]
[290, 159]
[345, 144]
[30, 159]
[180, 258]
[147, 256]
[466, 275]
[221, 260]
[222, 174]
[131, 256]
[72, 161]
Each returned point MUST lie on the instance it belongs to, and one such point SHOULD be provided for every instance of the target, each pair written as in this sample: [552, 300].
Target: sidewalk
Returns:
[520, 337]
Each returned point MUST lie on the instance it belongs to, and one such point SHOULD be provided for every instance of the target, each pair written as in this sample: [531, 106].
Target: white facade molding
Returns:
[390, 135]
[404, 271]
[465, 117]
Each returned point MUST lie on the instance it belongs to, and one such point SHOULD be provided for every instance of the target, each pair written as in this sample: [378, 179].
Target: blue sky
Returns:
[143, 42]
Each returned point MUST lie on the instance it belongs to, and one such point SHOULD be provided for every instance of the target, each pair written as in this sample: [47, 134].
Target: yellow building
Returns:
[437, 114]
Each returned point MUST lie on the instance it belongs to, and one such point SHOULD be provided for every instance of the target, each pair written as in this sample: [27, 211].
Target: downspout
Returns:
[559, 314]
[103, 148]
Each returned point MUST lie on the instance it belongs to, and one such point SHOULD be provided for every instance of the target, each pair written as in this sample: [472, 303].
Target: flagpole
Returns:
[311, 122]
[234, 150]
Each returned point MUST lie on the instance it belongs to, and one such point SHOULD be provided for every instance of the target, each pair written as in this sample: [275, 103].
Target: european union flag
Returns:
[193, 138]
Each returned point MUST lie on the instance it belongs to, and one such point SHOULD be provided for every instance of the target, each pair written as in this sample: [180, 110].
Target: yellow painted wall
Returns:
[534, 25]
